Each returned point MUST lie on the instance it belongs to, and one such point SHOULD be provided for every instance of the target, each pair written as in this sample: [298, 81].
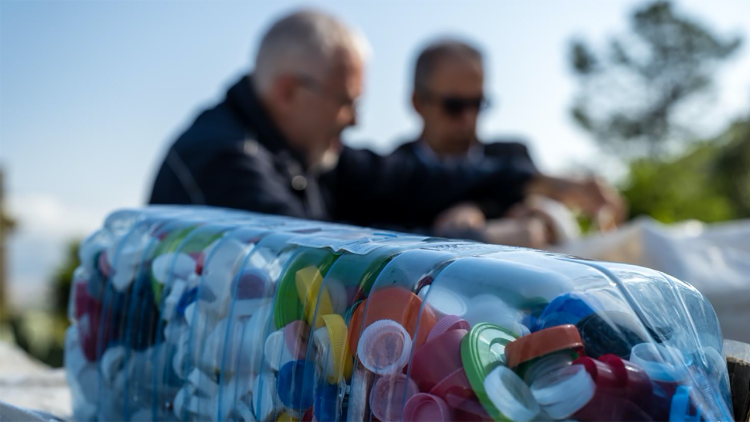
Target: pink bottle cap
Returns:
[425, 407]
[437, 359]
[388, 394]
[448, 323]
[457, 393]
[296, 336]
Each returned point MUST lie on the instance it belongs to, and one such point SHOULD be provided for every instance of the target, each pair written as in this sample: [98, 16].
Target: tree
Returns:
[710, 182]
[632, 94]
[62, 279]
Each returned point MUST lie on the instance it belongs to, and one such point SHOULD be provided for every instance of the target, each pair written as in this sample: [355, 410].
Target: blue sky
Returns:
[93, 92]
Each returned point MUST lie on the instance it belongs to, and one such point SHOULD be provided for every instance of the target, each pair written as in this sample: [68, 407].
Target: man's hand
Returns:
[460, 218]
[529, 232]
[593, 197]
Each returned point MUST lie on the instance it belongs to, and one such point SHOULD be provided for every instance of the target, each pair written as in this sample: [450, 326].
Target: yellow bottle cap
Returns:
[342, 356]
[309, 281]
[285, 417]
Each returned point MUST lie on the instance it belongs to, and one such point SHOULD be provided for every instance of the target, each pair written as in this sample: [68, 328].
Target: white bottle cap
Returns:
[384, 347]
[565, 391]
[510, 395]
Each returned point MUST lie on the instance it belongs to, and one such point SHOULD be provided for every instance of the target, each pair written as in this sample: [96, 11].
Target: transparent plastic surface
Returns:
[193, 313]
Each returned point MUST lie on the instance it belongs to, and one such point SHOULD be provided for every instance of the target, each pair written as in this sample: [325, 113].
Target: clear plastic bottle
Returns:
[193, 313]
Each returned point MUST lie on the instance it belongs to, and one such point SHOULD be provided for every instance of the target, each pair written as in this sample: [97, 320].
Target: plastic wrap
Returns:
[184, 313]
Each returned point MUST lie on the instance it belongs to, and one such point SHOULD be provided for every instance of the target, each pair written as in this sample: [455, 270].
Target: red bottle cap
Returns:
[425, 407]
[437, 359]
[456, 391]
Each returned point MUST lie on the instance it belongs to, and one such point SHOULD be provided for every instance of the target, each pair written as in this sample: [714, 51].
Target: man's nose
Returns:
[349, 117]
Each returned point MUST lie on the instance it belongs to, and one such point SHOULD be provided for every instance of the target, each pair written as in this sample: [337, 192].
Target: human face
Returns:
[326, 105]
[451, 105]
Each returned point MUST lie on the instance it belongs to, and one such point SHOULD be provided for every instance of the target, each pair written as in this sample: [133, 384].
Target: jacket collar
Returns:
[246, 103]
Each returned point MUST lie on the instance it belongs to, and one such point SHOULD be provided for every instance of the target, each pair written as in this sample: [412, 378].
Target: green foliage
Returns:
[632, 93]
[711, 182]
[63, 278]
[41, 334]
[732, 168]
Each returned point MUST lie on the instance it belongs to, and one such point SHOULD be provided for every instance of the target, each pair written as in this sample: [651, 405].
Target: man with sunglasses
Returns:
[267, 146]
[449, 97]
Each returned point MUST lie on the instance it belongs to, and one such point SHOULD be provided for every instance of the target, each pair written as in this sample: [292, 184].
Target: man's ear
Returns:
[284, 89]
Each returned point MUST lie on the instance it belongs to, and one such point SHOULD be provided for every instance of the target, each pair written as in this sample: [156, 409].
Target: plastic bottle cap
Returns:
[339, 348]
[276, 352]
[309, 281]
[360, 388]
[264, 403]
[388, 394]
[661, 363]
[564, 392]
[176, 264]
[327, 403]
[510, 397]
[397, 304]
[239, 411]
[203, 383]
[545, 365]
[680, 408]
[610, 332]
[457, 392]
[309, 416]
[295, 384]
[296, 336]
[604, 375]
[448, 323]
[298, 283]
[445, 301]
[252, 284]
[425, 407]
[542, 343]
[568, 308]
[619, 377]
[384, 347]
[482, 350]
[492, 309]
[285, 417]
[437, 358]
[112, 362]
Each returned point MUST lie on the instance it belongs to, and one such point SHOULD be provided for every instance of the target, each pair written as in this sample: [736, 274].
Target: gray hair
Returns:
[305, 41]
[429, 58]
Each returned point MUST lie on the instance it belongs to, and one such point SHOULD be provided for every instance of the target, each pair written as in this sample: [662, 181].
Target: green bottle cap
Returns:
[287, 305]
[482, 350]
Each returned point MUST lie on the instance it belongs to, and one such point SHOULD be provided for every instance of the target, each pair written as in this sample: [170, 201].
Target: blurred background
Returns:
[655, 96]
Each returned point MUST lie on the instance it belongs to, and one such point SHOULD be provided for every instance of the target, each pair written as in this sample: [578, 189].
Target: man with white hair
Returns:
[264, 147]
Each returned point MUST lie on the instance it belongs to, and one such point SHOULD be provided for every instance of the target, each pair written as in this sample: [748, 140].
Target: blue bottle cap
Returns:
[295, 384]
[681, 407]
[327, 404]
[568, 308]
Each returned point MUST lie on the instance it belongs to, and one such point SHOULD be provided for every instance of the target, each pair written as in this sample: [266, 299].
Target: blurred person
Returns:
[448, 95]
[273, 144]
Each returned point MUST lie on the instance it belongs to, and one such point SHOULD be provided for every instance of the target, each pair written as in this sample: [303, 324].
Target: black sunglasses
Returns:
[455, 106]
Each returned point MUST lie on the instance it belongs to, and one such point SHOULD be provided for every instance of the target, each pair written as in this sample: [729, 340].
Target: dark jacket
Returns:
[234, 156]
[512, 150]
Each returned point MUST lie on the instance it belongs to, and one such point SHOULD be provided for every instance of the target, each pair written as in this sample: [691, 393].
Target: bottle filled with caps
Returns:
[198, 313]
